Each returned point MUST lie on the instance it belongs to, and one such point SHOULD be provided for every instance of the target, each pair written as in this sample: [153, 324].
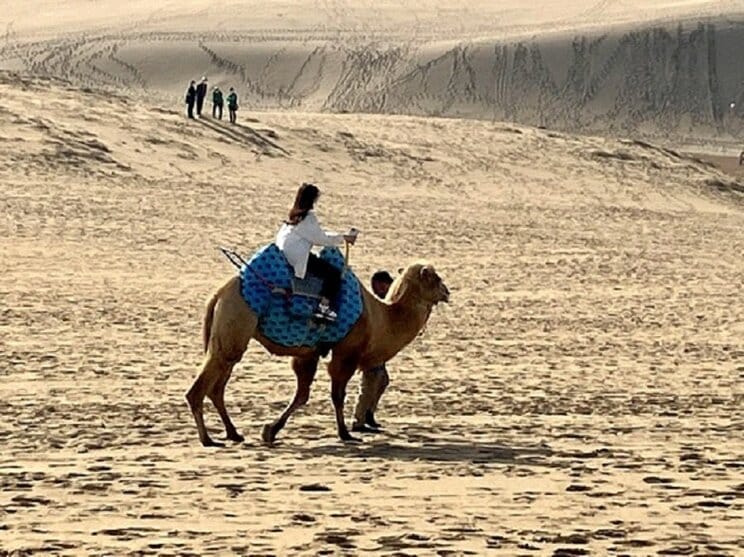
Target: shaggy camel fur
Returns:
[383, 330]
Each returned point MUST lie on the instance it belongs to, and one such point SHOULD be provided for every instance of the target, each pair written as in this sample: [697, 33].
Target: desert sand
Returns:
[580, 395]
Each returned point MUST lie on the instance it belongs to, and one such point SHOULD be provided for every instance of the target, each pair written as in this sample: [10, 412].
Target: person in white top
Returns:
[296, 237]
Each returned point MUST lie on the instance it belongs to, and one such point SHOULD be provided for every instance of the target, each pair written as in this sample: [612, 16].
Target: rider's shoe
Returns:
[325, 313]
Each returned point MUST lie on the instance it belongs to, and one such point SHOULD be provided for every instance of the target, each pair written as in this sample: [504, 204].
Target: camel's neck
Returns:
[402, 321]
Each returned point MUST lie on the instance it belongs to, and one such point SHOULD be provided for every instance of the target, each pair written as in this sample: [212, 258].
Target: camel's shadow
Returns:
[432, 449]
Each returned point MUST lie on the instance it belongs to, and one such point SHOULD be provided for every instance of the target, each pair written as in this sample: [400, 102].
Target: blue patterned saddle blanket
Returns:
[285, 316]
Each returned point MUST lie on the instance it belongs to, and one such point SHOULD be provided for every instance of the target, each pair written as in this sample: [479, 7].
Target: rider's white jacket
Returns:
[296, 241]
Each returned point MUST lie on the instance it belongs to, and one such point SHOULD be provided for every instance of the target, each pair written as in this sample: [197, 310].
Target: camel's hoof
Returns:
[235, 437]
[268, 435]
[364, 429]
[208, 442]
[349, 439]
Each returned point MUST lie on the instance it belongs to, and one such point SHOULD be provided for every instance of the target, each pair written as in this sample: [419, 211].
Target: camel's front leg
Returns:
[338, 395]
[341, 371]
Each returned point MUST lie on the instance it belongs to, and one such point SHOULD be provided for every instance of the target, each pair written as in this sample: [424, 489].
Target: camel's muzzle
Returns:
[445, 294]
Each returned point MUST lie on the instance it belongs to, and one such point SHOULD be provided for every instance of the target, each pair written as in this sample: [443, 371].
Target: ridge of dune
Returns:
[419, 19]
[669, 72]
[95, 131]
[580, 395]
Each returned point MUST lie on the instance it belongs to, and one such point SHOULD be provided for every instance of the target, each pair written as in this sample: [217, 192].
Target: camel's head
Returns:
[424, 278]
[434, 288]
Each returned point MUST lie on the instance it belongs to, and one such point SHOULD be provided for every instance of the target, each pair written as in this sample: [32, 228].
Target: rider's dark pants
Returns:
[330, 275]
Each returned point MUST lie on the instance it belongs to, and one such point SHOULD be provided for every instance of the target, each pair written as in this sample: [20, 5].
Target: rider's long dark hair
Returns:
[304, 201]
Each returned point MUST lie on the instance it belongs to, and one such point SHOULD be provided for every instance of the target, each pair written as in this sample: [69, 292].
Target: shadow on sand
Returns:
[243, 134]
[433, 450]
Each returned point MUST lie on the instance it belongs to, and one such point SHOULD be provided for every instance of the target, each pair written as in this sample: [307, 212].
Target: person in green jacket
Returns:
[217, 103]
[232, 105]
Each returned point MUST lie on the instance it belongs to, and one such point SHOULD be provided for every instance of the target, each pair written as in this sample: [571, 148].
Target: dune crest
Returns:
[656, 69]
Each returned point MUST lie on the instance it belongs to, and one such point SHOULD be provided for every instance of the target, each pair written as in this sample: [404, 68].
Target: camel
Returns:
[383, 330]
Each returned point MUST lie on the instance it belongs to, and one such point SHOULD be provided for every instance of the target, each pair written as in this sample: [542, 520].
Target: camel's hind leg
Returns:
[229, 327]
[212, 372]
[305, 372]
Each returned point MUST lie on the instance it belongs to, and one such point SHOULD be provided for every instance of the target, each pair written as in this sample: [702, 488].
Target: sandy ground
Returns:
[729, 164]
[661, 69]
[582, 394]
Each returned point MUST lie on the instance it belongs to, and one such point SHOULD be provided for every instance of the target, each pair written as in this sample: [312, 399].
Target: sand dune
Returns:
[581, 395]
[665, 70]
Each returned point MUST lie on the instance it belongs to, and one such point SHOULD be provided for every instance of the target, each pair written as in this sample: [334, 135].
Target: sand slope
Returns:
[582, 394]
[660, 69]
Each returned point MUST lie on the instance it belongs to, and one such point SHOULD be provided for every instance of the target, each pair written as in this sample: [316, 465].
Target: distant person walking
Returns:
[190, 99]
[217, 103]
[201, 94]
[232, 105]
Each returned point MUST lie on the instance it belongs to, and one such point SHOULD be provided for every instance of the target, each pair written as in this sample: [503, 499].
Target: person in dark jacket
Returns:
[375, 380]
[190, 99]
[217, 103]
[232, 105]
[201, 94]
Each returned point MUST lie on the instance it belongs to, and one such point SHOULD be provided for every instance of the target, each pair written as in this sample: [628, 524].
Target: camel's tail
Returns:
[209, 317]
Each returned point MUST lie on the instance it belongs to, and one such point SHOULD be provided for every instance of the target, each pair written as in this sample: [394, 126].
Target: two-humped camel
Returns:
[383, 330]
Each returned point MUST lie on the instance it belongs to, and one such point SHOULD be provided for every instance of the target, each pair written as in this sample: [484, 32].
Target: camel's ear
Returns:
[427, 271]
[400, 270]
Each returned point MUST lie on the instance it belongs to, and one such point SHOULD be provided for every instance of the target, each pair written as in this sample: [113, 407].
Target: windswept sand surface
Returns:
[664, 69]
[582, 394]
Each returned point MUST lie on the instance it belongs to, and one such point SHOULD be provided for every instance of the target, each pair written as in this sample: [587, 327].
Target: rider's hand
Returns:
[351, 236]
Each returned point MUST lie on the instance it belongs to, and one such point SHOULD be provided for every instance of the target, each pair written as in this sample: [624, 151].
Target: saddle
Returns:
[286, 306]
[270, 268]
[304, 296]
[310, 286]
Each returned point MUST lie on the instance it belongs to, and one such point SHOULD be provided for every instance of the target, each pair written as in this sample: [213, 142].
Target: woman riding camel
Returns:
[299, 233]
